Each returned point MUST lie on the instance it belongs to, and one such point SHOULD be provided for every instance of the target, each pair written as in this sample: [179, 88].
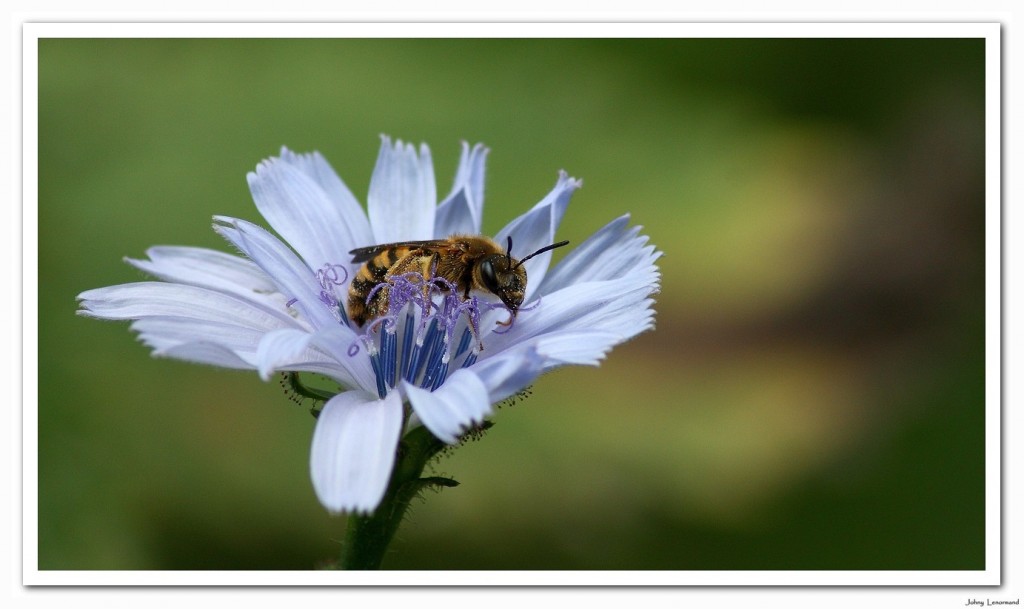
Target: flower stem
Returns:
[368, 536]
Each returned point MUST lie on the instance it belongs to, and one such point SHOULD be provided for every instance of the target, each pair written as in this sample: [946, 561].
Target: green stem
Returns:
[368, 537]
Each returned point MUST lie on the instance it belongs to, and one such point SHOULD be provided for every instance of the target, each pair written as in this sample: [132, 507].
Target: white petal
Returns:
[290, 275]
[353, 450]
[298, 208]
[152, 299]
[536, 229]
[461, 402]
[403, 197]
[612, 252]
[462, 209]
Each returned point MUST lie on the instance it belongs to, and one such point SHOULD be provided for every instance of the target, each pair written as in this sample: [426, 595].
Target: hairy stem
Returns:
[368, 537]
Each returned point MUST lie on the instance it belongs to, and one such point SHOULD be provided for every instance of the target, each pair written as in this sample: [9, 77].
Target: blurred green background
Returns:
[812, 396]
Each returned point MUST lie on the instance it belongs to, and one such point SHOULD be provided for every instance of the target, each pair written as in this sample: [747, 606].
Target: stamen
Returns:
[407, 344]
[437, 351]
[463, 342]
[389, 353]
[375, 362]
[441, 376]
[422, 352]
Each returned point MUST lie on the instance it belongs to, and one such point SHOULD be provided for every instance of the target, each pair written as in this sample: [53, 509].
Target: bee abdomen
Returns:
[378, 270]
[358, 309]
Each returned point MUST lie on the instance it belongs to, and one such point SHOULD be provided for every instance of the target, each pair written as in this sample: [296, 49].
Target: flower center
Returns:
[414, 340]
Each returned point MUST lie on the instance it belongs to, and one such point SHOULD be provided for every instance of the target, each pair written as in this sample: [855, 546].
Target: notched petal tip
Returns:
[567, 181]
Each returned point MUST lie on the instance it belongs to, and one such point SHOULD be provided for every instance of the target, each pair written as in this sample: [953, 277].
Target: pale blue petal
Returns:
[455, 217]
[462, 210]
[324, 352]
[536, 229]
[477, 170]
[578, 347]
[354, 228]
[291, 276]
[509, 372]
[288, 349]
[205, 353]
[460, 403]
[612, 252]
[205, 268]
[403, 197]
[619, 306]
[336, 342]
[279, 348]
[162, 333]
[299, 209]
[152, 299]
[353, 450]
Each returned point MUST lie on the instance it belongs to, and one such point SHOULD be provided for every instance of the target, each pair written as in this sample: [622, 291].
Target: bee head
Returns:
[505, 277]
[502, 276]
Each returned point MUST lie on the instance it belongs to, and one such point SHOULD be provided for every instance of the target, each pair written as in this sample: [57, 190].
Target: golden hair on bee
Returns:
[467, 262]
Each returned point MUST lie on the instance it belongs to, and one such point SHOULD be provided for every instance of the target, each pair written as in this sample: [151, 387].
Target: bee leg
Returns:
[428, 268]
[417, 265]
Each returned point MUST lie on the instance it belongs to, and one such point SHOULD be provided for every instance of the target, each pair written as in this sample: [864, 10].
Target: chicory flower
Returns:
[436, 360]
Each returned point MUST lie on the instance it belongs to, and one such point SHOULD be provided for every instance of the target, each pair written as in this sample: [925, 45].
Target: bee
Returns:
[469, 262]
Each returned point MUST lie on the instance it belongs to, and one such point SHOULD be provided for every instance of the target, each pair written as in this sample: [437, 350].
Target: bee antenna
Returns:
[508, 250]
[546, 248]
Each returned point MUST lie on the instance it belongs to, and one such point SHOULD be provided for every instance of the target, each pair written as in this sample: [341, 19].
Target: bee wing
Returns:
[362, 254]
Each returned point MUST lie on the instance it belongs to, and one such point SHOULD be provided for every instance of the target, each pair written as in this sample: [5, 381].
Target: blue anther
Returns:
[421, 353]
[434, 361]
[463, 342]
[388, 353]
[375, 362]
[407, 350]
[441, 376]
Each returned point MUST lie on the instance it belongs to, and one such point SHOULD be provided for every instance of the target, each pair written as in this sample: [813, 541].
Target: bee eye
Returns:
[490, 278]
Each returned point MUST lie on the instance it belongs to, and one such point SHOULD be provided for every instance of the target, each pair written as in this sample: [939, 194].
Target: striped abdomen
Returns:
[375, 271]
